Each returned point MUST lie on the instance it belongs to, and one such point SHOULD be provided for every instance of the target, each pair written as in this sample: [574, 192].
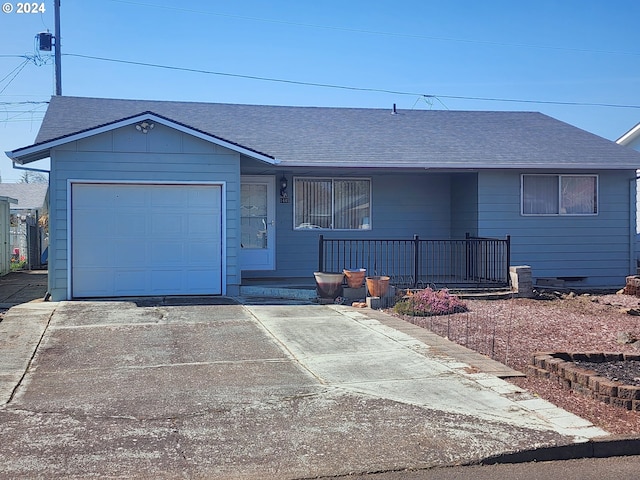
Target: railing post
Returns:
[321, 253]
[467, 256]
[508, 257]
[416, 259]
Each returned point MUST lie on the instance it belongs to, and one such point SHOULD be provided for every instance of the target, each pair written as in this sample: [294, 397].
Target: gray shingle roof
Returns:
[359, 137]
[30, 196]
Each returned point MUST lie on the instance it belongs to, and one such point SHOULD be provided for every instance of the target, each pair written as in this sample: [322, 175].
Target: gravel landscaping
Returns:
[512, 330]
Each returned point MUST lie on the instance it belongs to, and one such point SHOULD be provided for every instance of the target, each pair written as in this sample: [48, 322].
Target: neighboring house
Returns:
[5, 225]
[151, 198]
[28, 238]
[631, 139]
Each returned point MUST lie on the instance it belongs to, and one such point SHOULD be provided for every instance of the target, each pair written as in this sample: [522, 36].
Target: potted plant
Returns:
[378, 285]
[329, 284]
[355, 277]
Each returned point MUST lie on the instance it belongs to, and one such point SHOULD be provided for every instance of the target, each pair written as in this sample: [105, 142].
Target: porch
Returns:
[470, 266]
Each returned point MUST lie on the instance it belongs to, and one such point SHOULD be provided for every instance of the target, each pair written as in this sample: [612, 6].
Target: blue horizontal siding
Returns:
[597, 247]
[163, 155]
[401, 206]
[441, 206]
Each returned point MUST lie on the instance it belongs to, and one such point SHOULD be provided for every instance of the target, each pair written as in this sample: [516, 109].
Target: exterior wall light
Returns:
[144, 127]
[284, 196]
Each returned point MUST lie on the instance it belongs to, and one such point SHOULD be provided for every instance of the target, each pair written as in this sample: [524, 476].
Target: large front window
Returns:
[332, 203]
[559, 194]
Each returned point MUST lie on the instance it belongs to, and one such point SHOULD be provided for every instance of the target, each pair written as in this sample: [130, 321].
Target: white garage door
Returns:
[135, 240]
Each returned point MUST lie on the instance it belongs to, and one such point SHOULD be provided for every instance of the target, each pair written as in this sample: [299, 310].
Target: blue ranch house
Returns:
[177, 198]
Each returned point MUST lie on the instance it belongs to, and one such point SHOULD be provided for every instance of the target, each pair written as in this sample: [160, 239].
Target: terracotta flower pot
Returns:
[355, 278]
[329, 284]
[378, 286]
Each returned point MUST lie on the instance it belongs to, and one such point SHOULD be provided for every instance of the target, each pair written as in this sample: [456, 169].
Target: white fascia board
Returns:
[630, 136]
[459, 166]
[40, 151]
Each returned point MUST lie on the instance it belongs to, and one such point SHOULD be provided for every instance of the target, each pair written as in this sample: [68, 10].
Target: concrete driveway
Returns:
[240, 391]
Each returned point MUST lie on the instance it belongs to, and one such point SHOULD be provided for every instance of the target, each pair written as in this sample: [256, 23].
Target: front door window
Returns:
[257, 222]
[254, 216]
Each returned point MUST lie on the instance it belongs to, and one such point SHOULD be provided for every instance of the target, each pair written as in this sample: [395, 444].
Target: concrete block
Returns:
[521, 280]
[354, 293]
[377, 303]
[630, 392]
[608, 388]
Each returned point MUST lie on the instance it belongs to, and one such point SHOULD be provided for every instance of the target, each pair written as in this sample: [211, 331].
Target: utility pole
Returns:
[58, 53]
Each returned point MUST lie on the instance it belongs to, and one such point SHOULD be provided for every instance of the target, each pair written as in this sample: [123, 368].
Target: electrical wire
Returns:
[19, 67]
[15, 72]
[345, 87]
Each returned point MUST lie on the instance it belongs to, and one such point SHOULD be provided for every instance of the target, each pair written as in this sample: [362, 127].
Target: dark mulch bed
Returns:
[626, 372]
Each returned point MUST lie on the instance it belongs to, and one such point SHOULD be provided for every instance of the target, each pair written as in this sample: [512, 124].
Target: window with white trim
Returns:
[332, 203]
[559, 194]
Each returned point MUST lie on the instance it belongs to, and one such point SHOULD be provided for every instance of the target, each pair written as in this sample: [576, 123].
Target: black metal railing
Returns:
[413, 263]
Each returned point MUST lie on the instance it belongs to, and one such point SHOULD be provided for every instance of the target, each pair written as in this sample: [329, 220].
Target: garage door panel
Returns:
[95, 282]
[167, 280]
[201, 254]
[129, 280]
[197, 198]
[132, 223]
[146, 240]
[166, 253]
[167, 224]
[97, 227]
[196, 280]
[128, 197]
[169, 198]
[204, 226]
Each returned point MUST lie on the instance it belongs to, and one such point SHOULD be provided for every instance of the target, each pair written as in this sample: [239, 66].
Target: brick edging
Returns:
[560, 366]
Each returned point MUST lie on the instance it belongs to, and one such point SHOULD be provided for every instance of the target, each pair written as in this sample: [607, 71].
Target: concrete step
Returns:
[294, 293]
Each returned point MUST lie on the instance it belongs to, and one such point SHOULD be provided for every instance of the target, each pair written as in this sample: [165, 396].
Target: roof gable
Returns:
[41, 149]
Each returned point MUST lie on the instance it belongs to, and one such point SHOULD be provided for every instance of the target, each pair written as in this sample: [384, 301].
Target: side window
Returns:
[559, 194]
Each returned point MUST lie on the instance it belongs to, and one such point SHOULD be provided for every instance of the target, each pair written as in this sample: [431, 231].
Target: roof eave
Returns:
[630, 136]
[465, 166]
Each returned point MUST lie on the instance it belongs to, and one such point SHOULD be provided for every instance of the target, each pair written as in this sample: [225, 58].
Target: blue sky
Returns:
[446, 54]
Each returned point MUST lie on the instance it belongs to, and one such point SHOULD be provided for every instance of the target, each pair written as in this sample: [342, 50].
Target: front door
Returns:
[257, 222]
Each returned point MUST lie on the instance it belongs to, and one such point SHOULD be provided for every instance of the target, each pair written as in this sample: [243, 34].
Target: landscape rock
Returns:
[625, 338]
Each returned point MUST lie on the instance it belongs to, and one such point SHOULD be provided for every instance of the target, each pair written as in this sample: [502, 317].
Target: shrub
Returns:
[430, 302]
[18, 263]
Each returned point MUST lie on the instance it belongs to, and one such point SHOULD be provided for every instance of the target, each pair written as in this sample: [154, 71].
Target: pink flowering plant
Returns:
[429, 302]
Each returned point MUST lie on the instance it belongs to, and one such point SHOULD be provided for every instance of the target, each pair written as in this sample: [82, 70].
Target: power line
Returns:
[24, 103]
[376, 32]
[345, 87]
[15, 72]
[20, 120]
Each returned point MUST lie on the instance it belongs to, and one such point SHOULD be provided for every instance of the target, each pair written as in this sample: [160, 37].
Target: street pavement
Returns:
[187, 388]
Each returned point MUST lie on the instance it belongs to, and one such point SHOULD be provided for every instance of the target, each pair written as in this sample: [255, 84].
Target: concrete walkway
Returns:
[247, 391]
[347, 349]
